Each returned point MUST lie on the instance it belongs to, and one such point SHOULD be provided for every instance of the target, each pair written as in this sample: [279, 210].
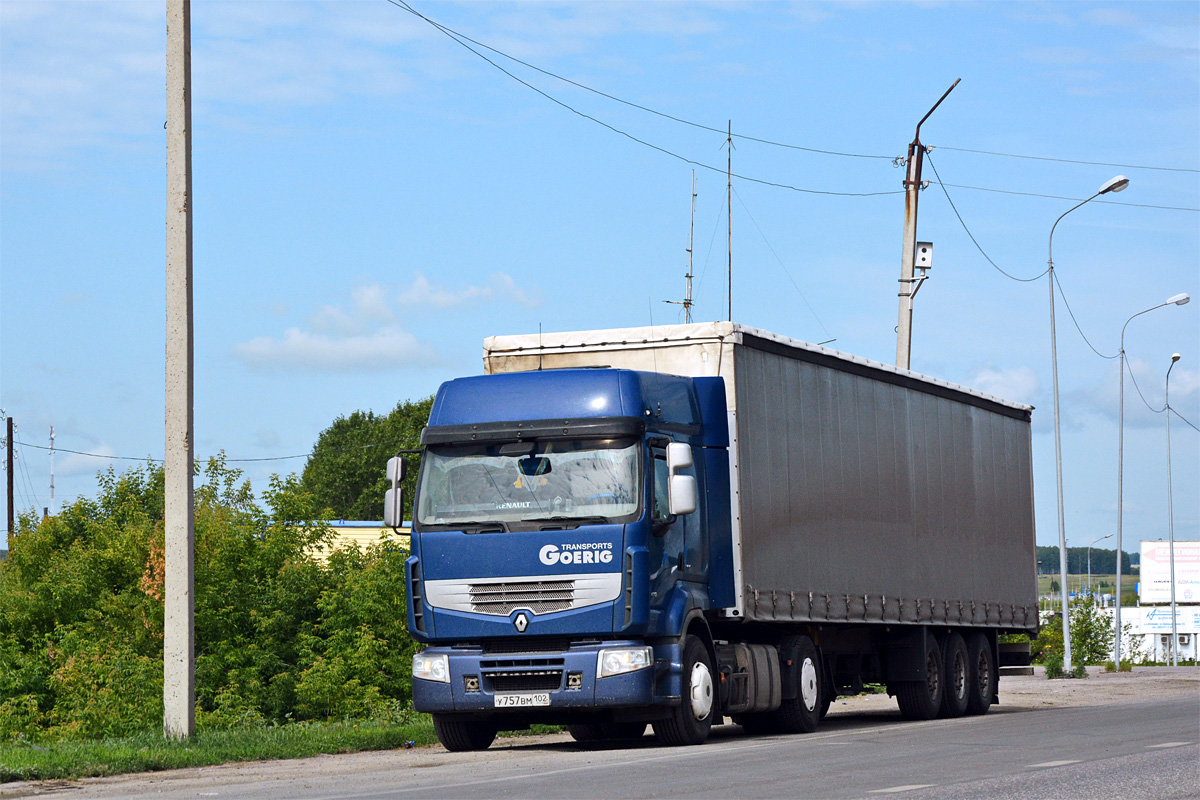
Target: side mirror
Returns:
[393, 499]
[397, 468]
[679, 456]
[683, 494]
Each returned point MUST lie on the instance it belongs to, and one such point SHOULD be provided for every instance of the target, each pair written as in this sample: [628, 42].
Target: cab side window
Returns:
[661, 511]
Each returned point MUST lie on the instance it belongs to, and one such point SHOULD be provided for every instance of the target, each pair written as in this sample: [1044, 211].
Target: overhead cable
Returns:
[227, 461]
[781, 264]
[972, 236]
[631, 137]
[1065, 160]
[1063, 295]
[453, 33]
[1061, 197]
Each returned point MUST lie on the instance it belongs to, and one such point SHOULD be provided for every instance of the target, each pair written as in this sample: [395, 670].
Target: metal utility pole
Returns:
[179, 662]
[8, 466]
[908, 285]
[1171, 519]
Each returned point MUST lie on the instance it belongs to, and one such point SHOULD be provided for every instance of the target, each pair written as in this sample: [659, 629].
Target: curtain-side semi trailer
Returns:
[682, 524]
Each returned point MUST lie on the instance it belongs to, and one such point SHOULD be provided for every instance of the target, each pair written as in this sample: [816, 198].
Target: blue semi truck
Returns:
[678, 525]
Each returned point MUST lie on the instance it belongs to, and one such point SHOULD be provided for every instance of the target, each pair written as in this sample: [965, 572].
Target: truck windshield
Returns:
[530, 484]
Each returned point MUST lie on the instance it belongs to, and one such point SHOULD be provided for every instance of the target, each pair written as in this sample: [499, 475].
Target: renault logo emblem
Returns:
[521, 622]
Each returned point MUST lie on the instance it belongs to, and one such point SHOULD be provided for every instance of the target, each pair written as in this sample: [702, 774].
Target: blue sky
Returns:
[372, 200]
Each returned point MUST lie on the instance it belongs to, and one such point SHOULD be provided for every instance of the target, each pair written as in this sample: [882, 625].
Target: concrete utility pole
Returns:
[8, 465]
[179, 658]
[908, 285]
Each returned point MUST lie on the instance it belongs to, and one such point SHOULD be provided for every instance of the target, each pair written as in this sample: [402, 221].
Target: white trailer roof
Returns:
[667, 336]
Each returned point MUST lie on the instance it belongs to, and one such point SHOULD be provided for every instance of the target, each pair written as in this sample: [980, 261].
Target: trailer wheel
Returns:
[982, 679]
[923, 699]
[956, 681]
[691, 720]
[802, 713]
[457, 735]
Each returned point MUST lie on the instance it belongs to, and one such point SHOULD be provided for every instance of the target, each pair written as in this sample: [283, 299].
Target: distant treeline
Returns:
[1104, 562]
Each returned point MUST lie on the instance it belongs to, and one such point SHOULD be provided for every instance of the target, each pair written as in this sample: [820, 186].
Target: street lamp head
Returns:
[1116, 184]
[1180, 299]
[1174, 358]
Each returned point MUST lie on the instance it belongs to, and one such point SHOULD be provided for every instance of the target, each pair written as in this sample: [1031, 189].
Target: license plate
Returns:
[522, 700]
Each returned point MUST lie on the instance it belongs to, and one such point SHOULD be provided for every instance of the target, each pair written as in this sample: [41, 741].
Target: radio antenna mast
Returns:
[52, 466]
[687, 287]
[729, 205]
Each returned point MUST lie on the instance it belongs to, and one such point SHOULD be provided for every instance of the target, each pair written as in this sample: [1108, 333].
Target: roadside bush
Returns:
[279, 636]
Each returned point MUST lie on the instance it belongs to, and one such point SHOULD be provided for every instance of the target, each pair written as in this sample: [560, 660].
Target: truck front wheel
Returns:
[458, 735]
[691, 720]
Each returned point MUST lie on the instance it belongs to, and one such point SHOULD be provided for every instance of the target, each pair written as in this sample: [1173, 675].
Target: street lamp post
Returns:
[1090, 546]
[1112, 185]
[1178, 300]
[1171, 516]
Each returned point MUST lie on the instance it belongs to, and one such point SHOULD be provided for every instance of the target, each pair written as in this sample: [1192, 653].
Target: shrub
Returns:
[278, 635]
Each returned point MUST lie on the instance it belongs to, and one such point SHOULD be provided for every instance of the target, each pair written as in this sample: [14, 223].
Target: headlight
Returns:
[431, 668]
[618, 662]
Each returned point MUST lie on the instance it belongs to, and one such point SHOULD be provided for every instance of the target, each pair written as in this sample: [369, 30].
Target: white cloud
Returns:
[364, 335]
[500, 288]
[77, 464]
[386, 348]
[1019, 384]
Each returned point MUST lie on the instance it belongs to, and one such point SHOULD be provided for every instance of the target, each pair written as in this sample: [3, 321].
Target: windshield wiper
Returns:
[480, 526]
[578, 520]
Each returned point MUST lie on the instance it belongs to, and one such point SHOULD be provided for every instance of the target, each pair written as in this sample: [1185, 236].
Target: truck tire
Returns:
[803, 712]
[692, 719]
[602, 731]
[956, 677]
[457, 735]
[982, 679]
[923, 699]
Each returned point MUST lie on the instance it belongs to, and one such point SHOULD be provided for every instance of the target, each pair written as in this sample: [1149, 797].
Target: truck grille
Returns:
[522, 674]
[540, 597]
[522, 645]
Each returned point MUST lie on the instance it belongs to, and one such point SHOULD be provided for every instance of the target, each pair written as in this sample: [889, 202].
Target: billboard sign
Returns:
[1154, 583]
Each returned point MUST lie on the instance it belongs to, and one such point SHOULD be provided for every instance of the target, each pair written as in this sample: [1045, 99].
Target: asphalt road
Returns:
[1147, 749]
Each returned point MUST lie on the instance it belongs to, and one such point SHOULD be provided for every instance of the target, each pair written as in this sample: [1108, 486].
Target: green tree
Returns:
[346, 472]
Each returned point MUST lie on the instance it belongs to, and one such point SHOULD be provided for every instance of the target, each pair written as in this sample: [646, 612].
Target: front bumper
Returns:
[489, 674]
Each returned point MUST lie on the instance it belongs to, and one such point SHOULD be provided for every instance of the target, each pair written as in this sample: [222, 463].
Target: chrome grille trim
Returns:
[538, 594]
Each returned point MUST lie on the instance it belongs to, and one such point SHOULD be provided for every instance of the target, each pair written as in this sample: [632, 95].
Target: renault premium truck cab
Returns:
[615, 528]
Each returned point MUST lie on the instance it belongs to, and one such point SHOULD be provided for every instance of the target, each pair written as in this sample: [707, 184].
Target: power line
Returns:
[1063, 295]
[453, 37]
[451, 32]
[1061, 197]
[971, 235]
[781, 264]
[1186, 421]
[1065, 160]
[227, 461]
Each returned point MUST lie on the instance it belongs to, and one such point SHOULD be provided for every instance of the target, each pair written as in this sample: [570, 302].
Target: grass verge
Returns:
[149, 751]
